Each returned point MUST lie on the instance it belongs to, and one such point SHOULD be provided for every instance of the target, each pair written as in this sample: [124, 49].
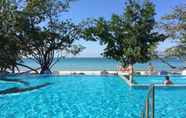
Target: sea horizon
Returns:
[102, 63]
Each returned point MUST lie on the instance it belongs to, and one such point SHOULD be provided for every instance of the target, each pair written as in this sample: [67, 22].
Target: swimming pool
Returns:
[87, 97]
[159, 79]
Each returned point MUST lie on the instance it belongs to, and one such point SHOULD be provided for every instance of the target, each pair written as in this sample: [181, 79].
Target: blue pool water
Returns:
[159, 79]
[88, 97]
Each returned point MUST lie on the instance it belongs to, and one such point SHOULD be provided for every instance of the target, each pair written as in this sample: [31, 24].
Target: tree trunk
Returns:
[19, 64]
[165, 62]
[13, 69]
[131, 72]
[45, 69]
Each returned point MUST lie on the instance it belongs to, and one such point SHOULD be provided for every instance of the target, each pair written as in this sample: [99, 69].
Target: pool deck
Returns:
[92, 72]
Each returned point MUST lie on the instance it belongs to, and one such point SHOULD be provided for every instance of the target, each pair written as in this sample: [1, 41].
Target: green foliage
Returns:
[54, 37]
[32, 29]
[10, 49]
[46, 42]
[129, 38]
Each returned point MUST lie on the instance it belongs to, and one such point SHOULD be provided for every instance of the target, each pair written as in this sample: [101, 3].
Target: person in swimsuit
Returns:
[167, 81]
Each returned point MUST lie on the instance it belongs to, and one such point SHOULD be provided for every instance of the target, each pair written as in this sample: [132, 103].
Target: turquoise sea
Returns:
[93, 64]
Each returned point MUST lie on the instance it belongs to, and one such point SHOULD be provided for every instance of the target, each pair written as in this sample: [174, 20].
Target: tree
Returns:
[45, 42]
[10, 49]
[129, 38]
[174, 24]
[33, 29]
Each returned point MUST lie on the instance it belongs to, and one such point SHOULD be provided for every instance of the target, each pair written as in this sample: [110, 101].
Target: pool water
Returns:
[159, 79]
[88, 97]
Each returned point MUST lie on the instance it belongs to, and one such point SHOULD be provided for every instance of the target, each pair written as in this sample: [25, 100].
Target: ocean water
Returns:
[87, 97]
[92, 64]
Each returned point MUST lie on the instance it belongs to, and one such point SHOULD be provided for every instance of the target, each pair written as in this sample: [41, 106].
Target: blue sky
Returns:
[82, 9]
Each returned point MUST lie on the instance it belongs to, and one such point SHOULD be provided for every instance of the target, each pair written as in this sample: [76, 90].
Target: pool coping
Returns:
[84, 72]
[125, 79]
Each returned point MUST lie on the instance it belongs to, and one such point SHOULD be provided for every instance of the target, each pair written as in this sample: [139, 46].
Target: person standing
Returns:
[151, 69]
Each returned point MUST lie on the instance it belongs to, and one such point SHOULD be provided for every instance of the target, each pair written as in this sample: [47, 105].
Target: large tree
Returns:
[45, 42]
[129, 38]
[174, 24]
[10, 47]
[40, 32]
[48, 45]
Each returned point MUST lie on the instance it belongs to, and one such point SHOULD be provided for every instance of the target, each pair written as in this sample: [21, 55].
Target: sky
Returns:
[83, 9]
